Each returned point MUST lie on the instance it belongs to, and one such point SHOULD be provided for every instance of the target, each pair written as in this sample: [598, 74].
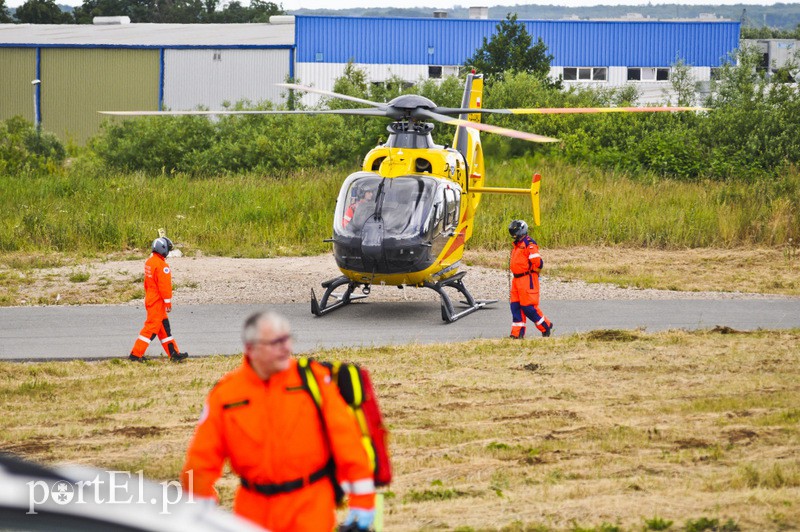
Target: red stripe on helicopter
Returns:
[457, 243]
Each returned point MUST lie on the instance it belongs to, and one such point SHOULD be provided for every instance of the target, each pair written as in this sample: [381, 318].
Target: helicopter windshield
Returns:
[401, 203]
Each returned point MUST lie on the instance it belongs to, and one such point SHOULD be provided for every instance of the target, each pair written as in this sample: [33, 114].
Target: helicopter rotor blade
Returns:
[565, 110]
[513, 133]
[592, 110]
[331, 94]
[359, 112]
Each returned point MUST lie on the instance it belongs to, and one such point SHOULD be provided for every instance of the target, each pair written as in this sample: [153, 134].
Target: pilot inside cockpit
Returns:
[362, 204]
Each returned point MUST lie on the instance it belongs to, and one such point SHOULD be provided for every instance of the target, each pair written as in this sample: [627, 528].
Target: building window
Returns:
[585, 74]
[648, 74]
[318, 57]
[600, 74]
[434, 72]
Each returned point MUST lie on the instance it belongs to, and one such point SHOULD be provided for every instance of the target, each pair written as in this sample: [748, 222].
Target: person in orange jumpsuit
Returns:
[157, 302]
[265, 423]
[351, 210]
[526, 263]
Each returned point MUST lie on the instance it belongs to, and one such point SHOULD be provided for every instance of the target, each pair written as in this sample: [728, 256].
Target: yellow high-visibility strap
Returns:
[358, 393]
[311, 380]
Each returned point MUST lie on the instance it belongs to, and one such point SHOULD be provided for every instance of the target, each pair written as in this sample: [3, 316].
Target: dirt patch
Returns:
[30, 446]
[200, 279]
[692, 443]
[612, 335]
[138, 432]
[744, 436]
[720, 329]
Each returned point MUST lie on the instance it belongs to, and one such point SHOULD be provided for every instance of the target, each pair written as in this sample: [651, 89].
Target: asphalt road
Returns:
[98, 331]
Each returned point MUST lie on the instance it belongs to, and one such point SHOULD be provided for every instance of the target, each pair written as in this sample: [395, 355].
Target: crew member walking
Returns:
[158, 302]
[262, 419]
[526, 263]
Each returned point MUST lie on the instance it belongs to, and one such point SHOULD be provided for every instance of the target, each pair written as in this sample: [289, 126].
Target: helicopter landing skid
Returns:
[342, 298]
[448, 312]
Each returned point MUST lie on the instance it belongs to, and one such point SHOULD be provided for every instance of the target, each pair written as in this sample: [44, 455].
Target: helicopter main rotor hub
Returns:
[410, 134]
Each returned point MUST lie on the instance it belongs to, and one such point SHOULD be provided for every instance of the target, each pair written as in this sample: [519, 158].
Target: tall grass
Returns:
[253, 215]
[588, 206]
[242, 216]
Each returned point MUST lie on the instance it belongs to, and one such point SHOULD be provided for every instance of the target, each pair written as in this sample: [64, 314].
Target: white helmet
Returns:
[162, 245]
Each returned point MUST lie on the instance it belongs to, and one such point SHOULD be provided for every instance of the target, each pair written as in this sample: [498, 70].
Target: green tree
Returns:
[511, 48]
[138, 10]
[683, 84]
[235, 12]
[150, 11]
[5, 17]
[42, 12]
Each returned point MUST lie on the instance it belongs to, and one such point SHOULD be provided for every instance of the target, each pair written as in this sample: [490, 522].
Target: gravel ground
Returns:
[200, 280]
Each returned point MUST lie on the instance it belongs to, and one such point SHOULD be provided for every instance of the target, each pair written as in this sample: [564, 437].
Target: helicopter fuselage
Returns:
[403, 219]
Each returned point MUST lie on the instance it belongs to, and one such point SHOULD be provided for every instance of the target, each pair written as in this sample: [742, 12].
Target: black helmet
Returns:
[518, 229]
[162, 245]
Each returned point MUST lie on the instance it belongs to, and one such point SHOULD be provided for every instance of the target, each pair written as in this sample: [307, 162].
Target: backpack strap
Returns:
[311, 385]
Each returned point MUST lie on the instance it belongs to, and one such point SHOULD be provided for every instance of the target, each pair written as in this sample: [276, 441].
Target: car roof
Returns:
[78, 497]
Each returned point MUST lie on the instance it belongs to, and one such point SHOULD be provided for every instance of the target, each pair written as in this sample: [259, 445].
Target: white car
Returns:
[79, 498]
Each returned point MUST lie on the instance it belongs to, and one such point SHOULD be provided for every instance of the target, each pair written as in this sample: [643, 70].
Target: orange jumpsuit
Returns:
[271, 433]
[157, 300]
[526, 263]
[350, 212]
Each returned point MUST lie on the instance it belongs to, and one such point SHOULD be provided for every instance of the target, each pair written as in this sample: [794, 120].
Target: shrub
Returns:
[24, 149]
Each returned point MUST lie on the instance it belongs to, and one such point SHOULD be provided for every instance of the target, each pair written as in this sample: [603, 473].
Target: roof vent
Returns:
[281, 19]
[479, 13]
[103, 21]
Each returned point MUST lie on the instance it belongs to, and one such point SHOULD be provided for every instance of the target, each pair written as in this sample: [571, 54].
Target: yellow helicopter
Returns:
[404, 218]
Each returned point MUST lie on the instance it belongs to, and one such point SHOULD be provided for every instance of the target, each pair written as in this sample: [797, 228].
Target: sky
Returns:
[445, 4]
[343, 4]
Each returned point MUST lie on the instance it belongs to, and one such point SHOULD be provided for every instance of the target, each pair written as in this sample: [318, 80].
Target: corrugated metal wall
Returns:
[17, 70]
[77, 82]
[323, 75]
[572, 43]
[209, 77]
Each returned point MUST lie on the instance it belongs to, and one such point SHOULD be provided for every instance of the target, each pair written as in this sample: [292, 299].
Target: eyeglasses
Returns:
[277, 341]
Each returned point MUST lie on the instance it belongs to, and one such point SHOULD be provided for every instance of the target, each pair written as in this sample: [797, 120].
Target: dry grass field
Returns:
[608, 430]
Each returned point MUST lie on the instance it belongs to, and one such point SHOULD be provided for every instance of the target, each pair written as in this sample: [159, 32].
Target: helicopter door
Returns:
[452, 200]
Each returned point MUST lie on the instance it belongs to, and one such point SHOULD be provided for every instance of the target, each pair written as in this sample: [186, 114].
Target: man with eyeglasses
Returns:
[262, 419]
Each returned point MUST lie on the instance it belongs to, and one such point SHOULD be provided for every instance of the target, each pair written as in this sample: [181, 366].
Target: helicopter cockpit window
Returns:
[357, 201]
[402, 203]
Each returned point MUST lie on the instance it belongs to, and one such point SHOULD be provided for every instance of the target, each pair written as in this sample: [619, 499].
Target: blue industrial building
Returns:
[610, 52]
